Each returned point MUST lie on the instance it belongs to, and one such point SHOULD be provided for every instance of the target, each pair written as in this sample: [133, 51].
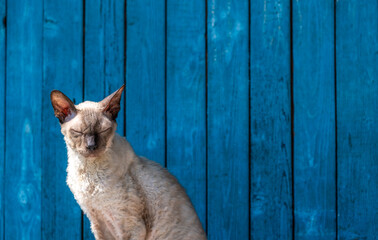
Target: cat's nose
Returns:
[91, 142]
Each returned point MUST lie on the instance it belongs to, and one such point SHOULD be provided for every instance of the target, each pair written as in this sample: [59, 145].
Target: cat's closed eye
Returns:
[104, 131]
[76, 133]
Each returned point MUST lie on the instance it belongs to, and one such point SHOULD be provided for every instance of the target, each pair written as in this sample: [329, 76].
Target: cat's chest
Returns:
[95, 186]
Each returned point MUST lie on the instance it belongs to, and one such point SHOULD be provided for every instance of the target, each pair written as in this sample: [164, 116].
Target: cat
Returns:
[125, 196]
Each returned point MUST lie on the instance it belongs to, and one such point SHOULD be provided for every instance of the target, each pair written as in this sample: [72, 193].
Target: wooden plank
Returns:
[357, 118]
[2, 109]
[186, 98]
[271, 181]
[228, 117]
[145, 78]
[23, 120]
[62, 70]
[104, 51]
[104, 58]
[314, 120]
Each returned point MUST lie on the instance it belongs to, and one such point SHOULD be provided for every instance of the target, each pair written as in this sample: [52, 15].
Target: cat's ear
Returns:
[64, 108]
[112, 103]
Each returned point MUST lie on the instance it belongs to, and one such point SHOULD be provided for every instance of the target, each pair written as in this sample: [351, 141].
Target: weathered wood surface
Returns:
[2, 108]
[186, 98]
[357, 118]
[228, 116]
[314, 120]
[264, 150]
[145, 78]
[271, 176]
[23, 210]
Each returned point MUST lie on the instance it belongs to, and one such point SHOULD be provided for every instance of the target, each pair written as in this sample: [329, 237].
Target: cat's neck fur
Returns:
[112, 165]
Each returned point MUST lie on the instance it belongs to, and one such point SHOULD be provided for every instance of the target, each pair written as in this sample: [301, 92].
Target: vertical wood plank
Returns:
[357, 118]
[145, 78]
[2, 109]
[104, 51]
[23, 118]
[314, 120]
[271, 193]
[186, 98]
[104, 58]
[228, 116]
[62, 70]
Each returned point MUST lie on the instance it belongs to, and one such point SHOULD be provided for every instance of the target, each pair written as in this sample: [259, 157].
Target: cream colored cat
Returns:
[124, 196]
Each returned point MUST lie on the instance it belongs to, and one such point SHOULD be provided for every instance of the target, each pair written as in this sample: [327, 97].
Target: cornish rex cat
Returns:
[125, 196]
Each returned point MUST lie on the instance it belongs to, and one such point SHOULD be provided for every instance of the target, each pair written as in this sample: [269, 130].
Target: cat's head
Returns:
[88, 127]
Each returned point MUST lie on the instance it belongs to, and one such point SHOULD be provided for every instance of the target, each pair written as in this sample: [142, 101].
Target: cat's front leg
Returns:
[99, 227]
[139, 231]
[130, 228]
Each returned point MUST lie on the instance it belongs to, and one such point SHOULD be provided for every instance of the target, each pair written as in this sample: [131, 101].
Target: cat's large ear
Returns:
[64, 108]
[112, 103]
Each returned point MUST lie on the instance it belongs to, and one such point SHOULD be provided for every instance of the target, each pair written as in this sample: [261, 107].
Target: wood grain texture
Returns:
[62, 70]
[23, 120]
[186, 98]
[2, 109]
[104, 58]
[271, 181]
[314, 120]
[145, 78]
[104, 51]
[197, 120]
[357, 118]
[228, 116]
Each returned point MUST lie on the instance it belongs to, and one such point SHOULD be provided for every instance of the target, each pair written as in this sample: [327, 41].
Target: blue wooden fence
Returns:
[266, 111]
